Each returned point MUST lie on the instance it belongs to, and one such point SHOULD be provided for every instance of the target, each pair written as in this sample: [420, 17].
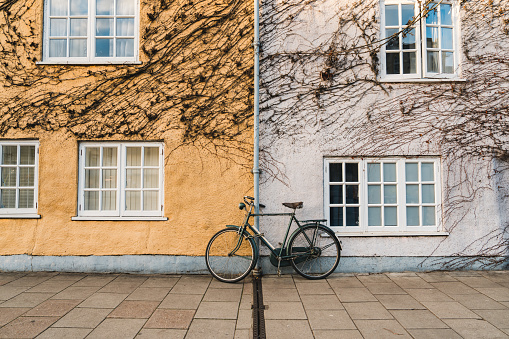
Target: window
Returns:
[18, 173]
[388, 195]
[121, 180]
[427, 47]
[91, 31]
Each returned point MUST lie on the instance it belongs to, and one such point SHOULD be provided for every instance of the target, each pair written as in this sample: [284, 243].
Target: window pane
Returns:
[58, 8]
[26, 198]
[104, 47]
[433, 62]
[9, 155]
[92, 156]
[91, 178]
[125, 27]
[448, 62]
[409, 39]
[336, 216]
[374, 172]
[374, 194]
[151, 178]
[8, 199]
[335, 172]
[9, 176]
[445, 14]
[125, 7]
[390, 172]
[447, 38]
[392, 60]
[352, 172]
[409, 63]
[109, 178]
[428, 216]
[110, 156]
[26, 176]
[58, 27]
[79, 27]
[432, 37]
[352, 216]
[393, 43]
[412, 194]
[391, 15]
[133, 200]
[125, 47]
[133, 156]
[407, 13]
[150, 202]
[79, 7]
[390, 216]
[109, 200]
[427, 171]
[412, 216]
[104, 7]
[352, 194]
[133, 178]
[78, 48]
[91, 201]
[432, 18]
[374, 216]
[27, 155]
[58, 48]
[104, 27]
[336, 194]
[428, 194]
[411, 172]
[151, 156]
[390, 194]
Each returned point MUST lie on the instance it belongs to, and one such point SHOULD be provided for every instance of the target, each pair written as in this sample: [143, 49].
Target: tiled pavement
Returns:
[401, 305]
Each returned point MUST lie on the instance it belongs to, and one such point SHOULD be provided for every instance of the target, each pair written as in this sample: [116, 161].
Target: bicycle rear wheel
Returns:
[230, 256]
[317, 251]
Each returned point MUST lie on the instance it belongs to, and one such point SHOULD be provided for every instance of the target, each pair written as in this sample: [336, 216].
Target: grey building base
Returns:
[168, 264]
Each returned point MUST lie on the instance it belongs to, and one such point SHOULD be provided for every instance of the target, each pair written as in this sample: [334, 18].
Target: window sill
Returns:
[119, 218]
[92, 63]
[20, 216]
[391, 234]
[424, 80]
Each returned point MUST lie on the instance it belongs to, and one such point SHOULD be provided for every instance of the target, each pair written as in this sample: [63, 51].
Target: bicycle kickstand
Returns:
[278, 270]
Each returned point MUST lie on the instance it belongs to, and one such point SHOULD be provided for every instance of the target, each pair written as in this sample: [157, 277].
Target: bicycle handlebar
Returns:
[247, 197]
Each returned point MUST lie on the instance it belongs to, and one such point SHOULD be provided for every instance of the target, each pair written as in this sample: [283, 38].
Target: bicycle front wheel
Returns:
[316, 251]
[230, 256]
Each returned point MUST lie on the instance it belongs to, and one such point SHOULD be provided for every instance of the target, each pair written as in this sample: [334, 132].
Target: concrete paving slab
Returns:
[381, 329]
[149, 293]
[244, 320]
[314, 288]
[284, 310]
[243, 334]
[384, 288]
[32, 280]
[417, 319]
[26, 327]
[218, 284]
[479, 281]
[367, 310]
[475, 328]
[120, 286]
[344, 282]
[104, 300]
[246, 302]
[10, 291]
[181, 301]
[117, 328]
[74, 292]
[498, 294]
[428, 294]
[373, 278]
[497, 276]
[406, 282]
[6, 278]
[26, 299]
[449, 309]
[276, 294]
[399, 302]
[186, 286]
[222, 294]
[434, 333]
[478, 302]
[74, 277]
[83, 317]
[321, 302]
[337, 334]
[211, 328]
[433, 277]
[217, 310]
[134, 309]
[288, 329]
[350, 295]
[180, 319]
[9, 314]
[167, 282]
[95, 280]
[51, 286]
[275, 282]
[330, 320]
[53, 308]
[161, 333]
[64, 333]
[454, 288]
[498, 318]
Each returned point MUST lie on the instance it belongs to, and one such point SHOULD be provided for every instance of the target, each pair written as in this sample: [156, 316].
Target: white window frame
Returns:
[22, 212]
[420, 41]
[401, 204]
[91, 37]
[121, 212]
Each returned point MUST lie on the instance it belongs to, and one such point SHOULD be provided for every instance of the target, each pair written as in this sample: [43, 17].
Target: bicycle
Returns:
[313, 249]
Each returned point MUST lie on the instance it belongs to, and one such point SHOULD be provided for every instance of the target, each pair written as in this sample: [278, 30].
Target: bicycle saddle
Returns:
[293, 205]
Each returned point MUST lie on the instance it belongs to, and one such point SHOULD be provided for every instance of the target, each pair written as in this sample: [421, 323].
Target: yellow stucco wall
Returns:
[202, 188]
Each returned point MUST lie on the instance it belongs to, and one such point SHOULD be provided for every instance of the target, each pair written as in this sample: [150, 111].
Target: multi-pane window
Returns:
[90, 31]
[391, 195]
[121, 179]
[18, 173]
[421, 39]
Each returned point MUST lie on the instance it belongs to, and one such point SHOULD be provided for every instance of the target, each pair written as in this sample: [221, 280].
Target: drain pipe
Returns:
[256, 153]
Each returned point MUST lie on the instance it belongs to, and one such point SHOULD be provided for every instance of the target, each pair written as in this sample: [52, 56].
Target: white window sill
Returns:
[20, 216]
[391, 234]
[91, 63]
[424, 80]
[119, 218]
